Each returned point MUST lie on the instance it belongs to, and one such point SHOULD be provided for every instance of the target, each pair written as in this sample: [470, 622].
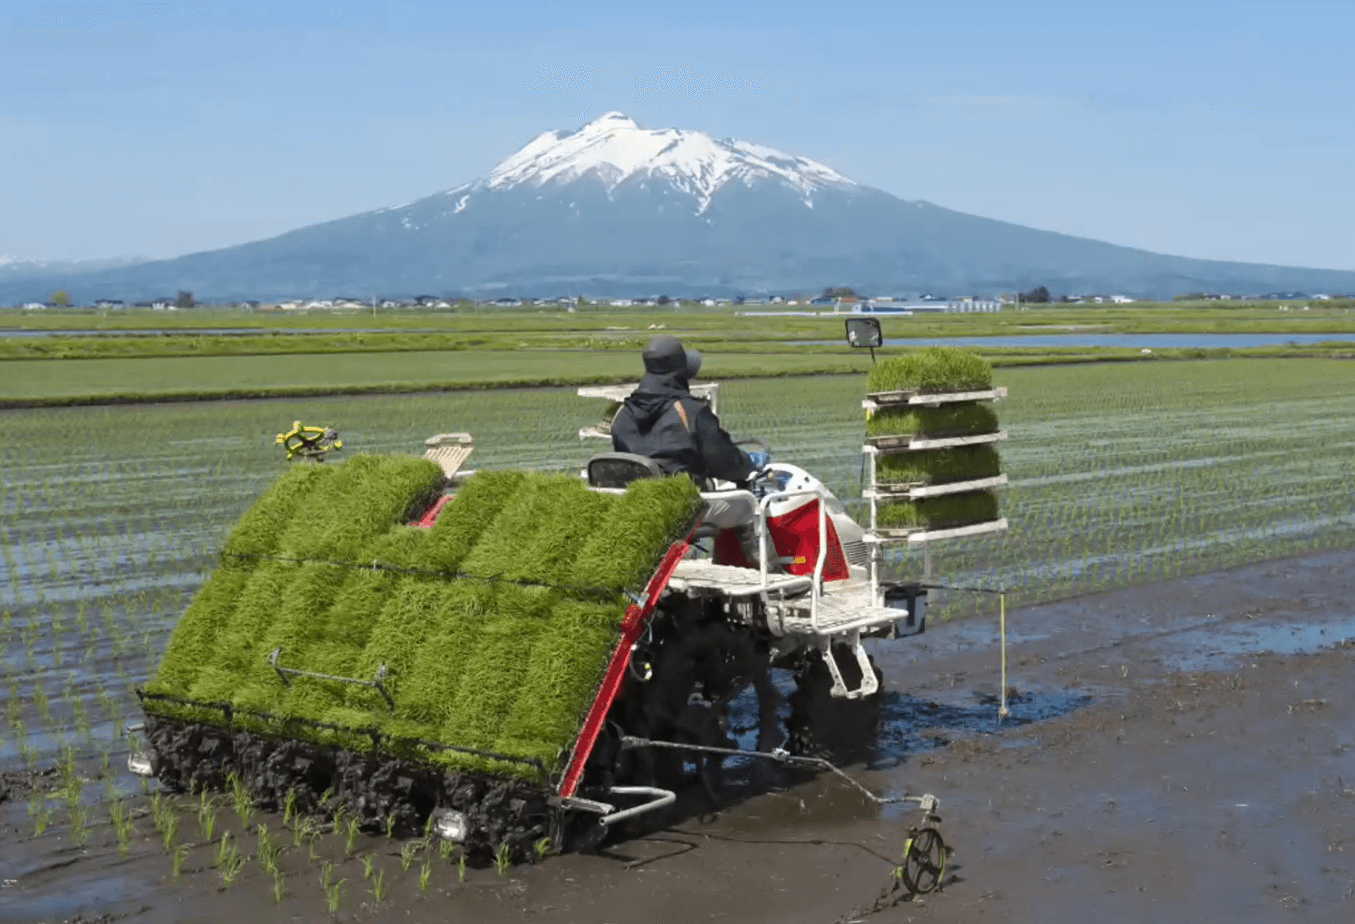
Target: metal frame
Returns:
[878, 537]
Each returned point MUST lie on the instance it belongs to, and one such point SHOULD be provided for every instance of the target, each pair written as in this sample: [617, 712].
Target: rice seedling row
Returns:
[1118, 475]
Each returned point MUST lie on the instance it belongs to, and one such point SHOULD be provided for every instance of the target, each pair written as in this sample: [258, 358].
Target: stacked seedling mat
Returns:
[333, 635]
[930, 444]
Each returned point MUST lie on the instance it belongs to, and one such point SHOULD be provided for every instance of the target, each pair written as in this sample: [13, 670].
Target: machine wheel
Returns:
[821, 725]
[698, 670]
[924, 860]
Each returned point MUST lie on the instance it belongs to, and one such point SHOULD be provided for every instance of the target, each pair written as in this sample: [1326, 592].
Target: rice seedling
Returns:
[77, 826]
[267, 851]
[206, 815]
[407, 854]
[390, 827]
[541, 848]
[461, 867]
[503, 858]
[277, 887]
[289, 806]
[229, 861]
[367, 860]
[350, 832]
[41, 819]
[300, 830]
[445, 849]
[243, 804]
[425, 870]
[122, 824]
[333, 889]
[170, 828]
[176, 861]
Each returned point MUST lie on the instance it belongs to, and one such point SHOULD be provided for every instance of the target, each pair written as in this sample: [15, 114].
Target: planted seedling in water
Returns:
[122, 825]
[176, 860]
[407, 853]
[244, 807]
[79, 831]
[503, 858]
[268, 851]
[171, 828]
[379, 885]
[228, 859]
[41, 819]
[206, 815]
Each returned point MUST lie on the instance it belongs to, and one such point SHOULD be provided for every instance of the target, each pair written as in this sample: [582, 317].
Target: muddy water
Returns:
[1175, 751]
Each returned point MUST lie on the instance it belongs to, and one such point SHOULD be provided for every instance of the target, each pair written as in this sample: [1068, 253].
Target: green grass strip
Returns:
[934, 370]
[960, 419]
[941, 512]
[941, 466]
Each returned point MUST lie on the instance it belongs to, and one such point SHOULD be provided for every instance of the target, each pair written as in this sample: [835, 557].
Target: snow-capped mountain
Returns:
[616, 209]
[9, 263]
[614, 150]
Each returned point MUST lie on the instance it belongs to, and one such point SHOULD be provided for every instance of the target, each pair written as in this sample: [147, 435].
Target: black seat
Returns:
[618, 469]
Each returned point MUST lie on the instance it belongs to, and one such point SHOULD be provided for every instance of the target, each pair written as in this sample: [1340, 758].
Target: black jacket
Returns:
[648, 424]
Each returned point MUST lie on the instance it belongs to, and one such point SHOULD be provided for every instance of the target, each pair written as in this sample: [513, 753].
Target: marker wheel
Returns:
[924, 861]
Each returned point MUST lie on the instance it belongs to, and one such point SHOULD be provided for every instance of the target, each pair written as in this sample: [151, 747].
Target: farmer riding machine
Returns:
[519, 661]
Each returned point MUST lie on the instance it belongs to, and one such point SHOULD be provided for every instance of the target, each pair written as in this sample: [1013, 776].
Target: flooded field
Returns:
[1151, 479]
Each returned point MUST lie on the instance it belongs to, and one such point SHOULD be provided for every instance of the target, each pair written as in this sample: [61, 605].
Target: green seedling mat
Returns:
[495, 625]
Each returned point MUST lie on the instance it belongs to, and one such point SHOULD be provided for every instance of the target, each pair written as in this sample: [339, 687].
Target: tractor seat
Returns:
[615, 470]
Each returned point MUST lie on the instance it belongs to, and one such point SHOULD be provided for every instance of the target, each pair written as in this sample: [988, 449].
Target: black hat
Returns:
[665, 355]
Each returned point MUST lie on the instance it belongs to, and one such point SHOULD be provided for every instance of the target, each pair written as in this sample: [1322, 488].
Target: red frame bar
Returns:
[631, 626]
[431, 514]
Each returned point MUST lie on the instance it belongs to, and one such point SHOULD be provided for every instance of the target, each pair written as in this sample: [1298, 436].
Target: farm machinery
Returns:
[512, 660]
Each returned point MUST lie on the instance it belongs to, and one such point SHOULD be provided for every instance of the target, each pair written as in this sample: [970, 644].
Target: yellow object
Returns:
[311, 442]
[1002, 711]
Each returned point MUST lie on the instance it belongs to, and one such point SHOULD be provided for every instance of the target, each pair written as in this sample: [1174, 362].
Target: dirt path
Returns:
[1181, 751]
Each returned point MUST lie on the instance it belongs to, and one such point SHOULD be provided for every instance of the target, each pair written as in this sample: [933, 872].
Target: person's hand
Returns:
[759, 460]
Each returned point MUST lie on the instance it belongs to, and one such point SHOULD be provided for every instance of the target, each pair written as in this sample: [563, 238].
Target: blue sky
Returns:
[1206, 129]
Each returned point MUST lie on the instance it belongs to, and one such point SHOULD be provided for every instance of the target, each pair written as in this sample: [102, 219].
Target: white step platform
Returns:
[879, 399]
[696, 574]
[844, 606]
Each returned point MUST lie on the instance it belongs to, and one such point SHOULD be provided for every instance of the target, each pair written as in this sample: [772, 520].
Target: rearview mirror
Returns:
[864, 333]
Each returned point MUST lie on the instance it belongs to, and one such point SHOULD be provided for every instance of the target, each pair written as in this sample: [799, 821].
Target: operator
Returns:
[661, 420]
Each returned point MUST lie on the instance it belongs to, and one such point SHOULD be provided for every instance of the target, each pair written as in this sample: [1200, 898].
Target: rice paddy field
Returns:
[1120, 475]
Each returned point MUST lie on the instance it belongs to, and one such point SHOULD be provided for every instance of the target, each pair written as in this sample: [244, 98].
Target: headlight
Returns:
[451, 825]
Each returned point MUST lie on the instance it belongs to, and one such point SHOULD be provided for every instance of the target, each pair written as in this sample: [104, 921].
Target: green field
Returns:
[1120, 475]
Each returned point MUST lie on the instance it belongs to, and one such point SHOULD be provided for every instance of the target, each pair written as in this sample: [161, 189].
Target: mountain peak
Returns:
[613, 149]
[611, 120]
